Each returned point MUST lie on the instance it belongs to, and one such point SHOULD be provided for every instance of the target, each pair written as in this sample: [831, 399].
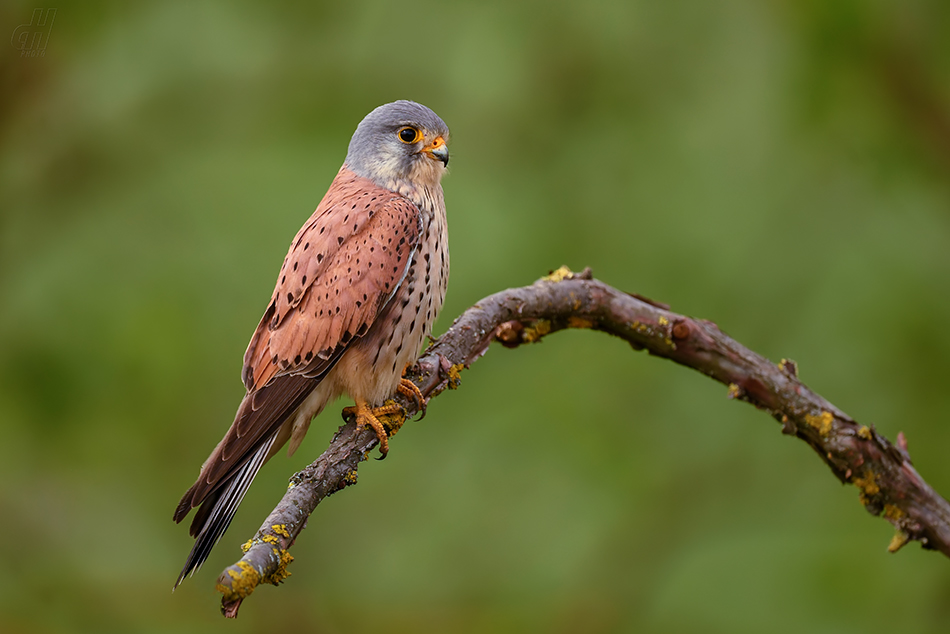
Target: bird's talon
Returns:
[366, 416]
[412, 391]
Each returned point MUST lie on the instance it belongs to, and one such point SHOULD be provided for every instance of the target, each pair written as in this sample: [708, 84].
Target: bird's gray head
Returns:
[400, 144]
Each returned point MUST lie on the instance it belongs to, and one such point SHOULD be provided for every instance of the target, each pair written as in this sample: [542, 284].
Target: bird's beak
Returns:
[437, 150]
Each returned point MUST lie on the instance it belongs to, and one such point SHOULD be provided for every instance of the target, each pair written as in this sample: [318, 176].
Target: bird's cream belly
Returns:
[355, 376]
[371, 368]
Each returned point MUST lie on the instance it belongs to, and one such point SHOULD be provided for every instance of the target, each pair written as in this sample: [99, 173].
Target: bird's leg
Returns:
[366, 416]
[411, 390]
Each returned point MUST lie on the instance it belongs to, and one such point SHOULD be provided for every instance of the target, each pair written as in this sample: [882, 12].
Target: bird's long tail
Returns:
[217, 511]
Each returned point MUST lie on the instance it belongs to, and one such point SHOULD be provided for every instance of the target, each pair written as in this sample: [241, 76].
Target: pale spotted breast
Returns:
[372, 367]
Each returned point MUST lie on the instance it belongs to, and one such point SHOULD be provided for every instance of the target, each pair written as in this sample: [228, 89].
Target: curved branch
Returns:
[888, 483]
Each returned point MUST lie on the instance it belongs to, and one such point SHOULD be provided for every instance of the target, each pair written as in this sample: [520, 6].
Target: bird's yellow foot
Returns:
[411, 390]
[366, 416]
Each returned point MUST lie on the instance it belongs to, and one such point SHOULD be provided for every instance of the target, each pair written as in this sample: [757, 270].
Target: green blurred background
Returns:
[781, 168]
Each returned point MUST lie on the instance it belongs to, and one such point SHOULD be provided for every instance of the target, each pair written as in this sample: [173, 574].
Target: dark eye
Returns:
[408, 135]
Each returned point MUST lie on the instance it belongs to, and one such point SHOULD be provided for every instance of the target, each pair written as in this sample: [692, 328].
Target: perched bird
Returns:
[361, 285]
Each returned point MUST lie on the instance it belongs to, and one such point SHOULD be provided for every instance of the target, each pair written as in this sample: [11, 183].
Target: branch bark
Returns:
[888, 484]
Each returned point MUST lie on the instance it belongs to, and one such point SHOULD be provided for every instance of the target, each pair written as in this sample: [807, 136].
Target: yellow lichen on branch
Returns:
[242, 583]
[788, 366]
[891, 512]
[868, 486]
[534, 332]
[454, 376]
[579, 322]
[393, 422]
[897, 541]
[822, 422]
[284, 559]
[563, 273]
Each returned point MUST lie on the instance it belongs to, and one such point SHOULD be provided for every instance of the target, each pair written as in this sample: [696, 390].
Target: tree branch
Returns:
[887, 482]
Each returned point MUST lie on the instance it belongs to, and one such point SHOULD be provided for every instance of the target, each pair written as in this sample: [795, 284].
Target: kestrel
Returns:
[361, 285]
